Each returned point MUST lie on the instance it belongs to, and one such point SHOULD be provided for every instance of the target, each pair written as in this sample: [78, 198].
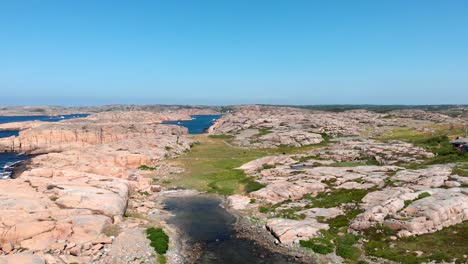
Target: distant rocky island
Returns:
[311, 184]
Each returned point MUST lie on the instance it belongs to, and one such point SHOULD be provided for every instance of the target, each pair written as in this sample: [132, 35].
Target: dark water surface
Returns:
[10, 119]
[205, 222]
[9, 160]
[8, 133]
[199, 123]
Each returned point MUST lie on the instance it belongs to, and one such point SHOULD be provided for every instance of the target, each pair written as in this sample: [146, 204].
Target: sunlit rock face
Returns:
[82, 180]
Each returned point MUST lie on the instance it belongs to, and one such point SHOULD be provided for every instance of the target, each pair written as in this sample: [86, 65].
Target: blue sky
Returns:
[233, 52]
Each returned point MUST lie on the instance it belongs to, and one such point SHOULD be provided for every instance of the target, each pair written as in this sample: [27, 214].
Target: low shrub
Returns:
[159, 239]
[146, 168]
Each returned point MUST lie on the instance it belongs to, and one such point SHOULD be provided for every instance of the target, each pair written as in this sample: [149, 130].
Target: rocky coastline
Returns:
[95, 184]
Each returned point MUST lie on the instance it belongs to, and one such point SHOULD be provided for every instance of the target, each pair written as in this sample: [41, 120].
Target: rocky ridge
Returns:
[65, 202]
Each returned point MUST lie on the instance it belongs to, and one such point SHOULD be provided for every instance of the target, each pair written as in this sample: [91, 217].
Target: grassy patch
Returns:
[159, 239]
[146, 168]
[268, 166]
[437, 142]
[111, 230]
[307, 158]
[320, 245]
[336, 239]
[290, 213]
[262, 132]
[345, 164]
[420, 196]
[337, 197]
[162, 259]
[211, 166]
[226, 137]
[440, 246]
[250, 185]
[460, 170]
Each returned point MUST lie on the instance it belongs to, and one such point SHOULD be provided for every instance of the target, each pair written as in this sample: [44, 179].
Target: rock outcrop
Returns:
[64, 199]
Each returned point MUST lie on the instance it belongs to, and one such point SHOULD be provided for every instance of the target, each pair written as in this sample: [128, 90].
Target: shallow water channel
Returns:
[205, 222]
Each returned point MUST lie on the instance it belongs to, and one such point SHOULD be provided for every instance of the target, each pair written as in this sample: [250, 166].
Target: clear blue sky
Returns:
[231, 52]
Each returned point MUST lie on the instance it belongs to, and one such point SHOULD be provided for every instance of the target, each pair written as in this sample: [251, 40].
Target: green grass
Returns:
[420, 196]
[267, 166]
[226, 137]
[250, 185]
[262, 132]
[336, 237]
[318, 245]
[159, 239]
[211, 166]
[307, 158]
[345, 164]
[290, 213]
[146, 168]
[162, 259]
[336, 197]
[461, 170]
[437, 142]
[440, 246]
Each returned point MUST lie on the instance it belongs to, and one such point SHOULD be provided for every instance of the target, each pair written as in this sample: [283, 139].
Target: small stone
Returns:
[155, 188]
[87, 245]
[419, 253]
[393, 237]
[75, 251]
[97, 247]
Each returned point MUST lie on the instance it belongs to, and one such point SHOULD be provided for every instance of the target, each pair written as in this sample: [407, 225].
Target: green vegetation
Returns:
[437, 142]
[146, 168]
[250, 185]
[420, 196]
[336, 239]
[320, 245]
[162, 259]
[368, 161]
[346, 164]
[290, 213]
[226, 137]
[307, 158]
[263, 209]
[336, 197]
[277, 211]
[211, 166]
[440, 246]
[262, 132]
[111, 230]
[267, 166]
[461, 170]
[159, 239]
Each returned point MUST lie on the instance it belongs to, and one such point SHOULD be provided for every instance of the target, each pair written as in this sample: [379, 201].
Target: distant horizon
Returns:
[202, 105]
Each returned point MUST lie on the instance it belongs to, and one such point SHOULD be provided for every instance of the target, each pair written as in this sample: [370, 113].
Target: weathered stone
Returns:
[289, 231]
